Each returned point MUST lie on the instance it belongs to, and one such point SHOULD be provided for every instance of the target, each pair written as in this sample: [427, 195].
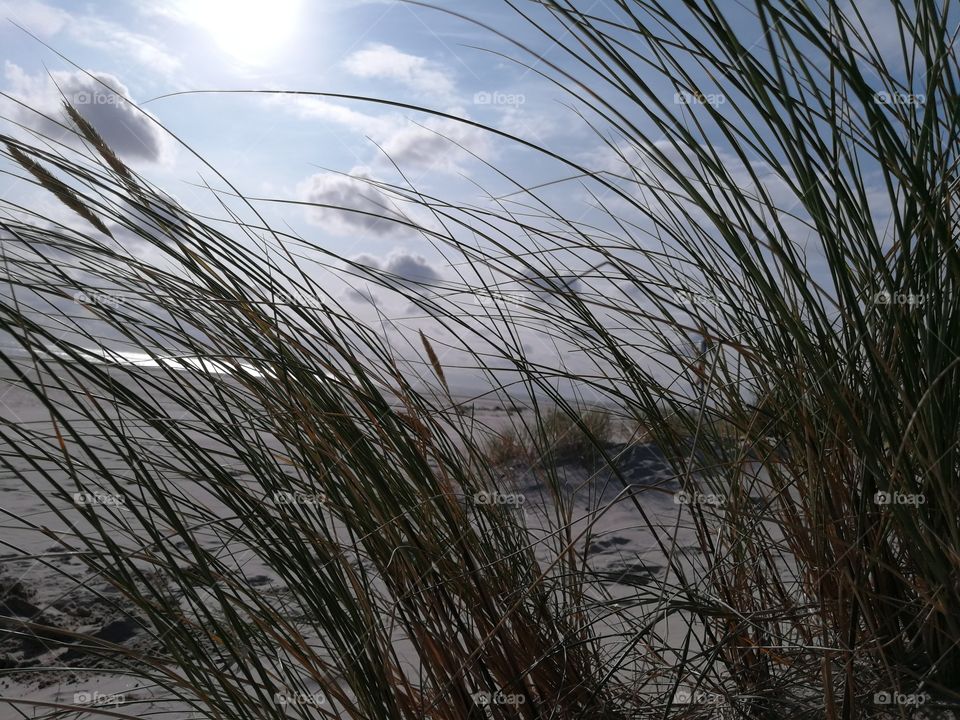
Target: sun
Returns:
[252, 31]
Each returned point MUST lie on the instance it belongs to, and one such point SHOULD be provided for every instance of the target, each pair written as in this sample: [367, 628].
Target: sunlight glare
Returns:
[249, 30]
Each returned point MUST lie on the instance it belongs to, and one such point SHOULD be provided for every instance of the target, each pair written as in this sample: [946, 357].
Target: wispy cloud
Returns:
[311, 108]
[37, 17]
[385, 62]
[105, 35]
[86, 29]
[431, 145]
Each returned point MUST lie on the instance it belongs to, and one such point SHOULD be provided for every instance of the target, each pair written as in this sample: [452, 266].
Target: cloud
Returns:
[385, 62]
[126, 129]
[311, 108]
[341, 191]
[426, 145]
[365, 295]
[403, 264]
[36, 17]
[114, 39]
[531, 126]
[47, 21]
[434, 145]
[405, 268]
[542, 283]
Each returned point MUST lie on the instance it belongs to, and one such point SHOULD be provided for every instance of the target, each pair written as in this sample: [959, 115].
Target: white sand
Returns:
[622, 548]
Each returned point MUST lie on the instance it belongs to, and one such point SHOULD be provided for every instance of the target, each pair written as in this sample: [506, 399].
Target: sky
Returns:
[159, 54]
[293, 147]
[176, 59]
[290, 147]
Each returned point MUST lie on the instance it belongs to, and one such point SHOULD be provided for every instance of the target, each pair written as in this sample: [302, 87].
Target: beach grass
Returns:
[807, 413]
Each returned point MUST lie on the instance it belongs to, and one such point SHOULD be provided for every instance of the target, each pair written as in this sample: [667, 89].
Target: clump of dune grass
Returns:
[810, 147]
[576, 437]
[508, 448]
[285, 435]
[816, 594]
[553, 436]
[806, 594]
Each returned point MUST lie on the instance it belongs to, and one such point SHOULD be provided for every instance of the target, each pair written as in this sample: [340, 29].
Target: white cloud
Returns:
[36, 17]
[47, 21]
[126, 129]
[430, 145]
[312, 108]
[412, 146]
[253, 33]
[372, 206]
[98, 33]
[385, 62]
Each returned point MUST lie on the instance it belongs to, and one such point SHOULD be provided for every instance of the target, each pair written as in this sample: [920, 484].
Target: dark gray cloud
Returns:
[341, 191]
[402, 268]
[100, 98]
[403, 265]
[435, 146]
[546, 283]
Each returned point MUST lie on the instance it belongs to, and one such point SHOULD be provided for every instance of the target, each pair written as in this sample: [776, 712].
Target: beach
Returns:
[47, 583]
